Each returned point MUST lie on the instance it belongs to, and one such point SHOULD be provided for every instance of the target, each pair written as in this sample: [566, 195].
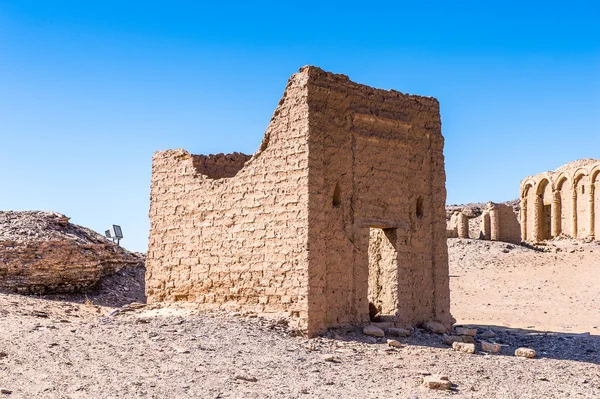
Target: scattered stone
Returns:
[397, 332]
[489, 347]
[435, 382]
[525, 352]
[435, 327]
[373, 331]
[463, 347]
[488, 334]
[394, 343]
[465, 331]
[331, 359]
[450, 339]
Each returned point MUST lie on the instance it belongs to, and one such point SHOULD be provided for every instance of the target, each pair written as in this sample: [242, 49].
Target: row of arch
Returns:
[565, 203]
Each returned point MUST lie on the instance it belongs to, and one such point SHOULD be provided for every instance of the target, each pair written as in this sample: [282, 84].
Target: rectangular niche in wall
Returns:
[383, 272]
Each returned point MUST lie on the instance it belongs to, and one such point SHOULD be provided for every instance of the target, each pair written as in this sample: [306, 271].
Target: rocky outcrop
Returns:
[41, 252]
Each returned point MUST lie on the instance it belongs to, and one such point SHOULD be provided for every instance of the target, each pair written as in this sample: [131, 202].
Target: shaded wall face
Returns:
[383, 271]
[384, 150]
[509, 228]
[236, 242]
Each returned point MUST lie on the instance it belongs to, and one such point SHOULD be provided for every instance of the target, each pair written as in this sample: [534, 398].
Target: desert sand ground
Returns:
[100, 347]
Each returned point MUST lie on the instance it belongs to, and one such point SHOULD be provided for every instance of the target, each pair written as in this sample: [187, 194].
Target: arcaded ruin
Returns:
[562, 203]
[340, 210]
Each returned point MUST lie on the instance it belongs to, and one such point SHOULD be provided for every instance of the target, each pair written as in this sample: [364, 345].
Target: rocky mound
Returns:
[41, 252]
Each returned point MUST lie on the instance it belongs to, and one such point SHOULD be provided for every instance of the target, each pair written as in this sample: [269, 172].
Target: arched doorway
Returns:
[565, 197]
[544, 210]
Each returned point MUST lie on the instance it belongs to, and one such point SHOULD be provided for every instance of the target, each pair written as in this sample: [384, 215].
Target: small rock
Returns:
[463, 347]
[397, 332]
[373, 331]
[394, 343]
[435, 327]
[383, 324]
[488, 334]
[450, 339]
[331, 358]
[182, 350]
[465, 331]
[525, 352]
[3, 355]
[435, 382]
[5, 391]
[246, 378]
[468, 339]
[489, 347]
[372, 340]
[422, 372]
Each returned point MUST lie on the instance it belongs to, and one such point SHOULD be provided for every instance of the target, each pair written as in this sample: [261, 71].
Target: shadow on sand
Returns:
[547, 344]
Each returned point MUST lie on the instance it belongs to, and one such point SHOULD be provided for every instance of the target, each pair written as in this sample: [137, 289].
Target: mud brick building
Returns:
[563, 202]
[342, 205]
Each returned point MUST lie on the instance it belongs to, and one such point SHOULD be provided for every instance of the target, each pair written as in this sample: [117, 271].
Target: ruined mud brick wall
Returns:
[500, 223]
[343, 168]
[458, 225]
[506, 221]
[237, 241]
[41, 252]
[565, 202]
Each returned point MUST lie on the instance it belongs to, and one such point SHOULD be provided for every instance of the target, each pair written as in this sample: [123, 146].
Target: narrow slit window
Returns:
[419, 209]
[337, 196]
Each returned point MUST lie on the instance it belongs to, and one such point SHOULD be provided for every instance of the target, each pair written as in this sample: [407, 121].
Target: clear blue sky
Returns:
[90, 89]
